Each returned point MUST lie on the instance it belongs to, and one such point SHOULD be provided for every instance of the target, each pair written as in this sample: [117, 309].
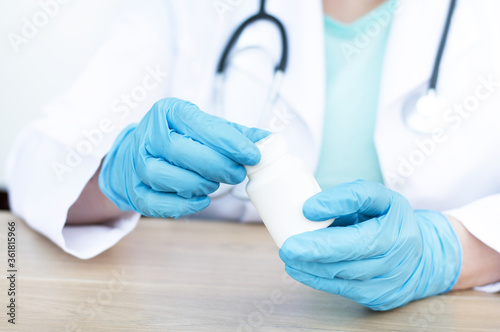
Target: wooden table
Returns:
[193, 275]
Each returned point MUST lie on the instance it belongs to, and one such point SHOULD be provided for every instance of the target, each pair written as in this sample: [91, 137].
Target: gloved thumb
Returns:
[369, 199]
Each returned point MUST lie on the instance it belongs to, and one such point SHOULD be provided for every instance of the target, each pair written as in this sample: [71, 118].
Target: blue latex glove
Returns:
[385, 254]
[167, 164]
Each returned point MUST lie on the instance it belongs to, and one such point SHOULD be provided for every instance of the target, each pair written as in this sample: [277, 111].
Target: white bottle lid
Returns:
[271, 148]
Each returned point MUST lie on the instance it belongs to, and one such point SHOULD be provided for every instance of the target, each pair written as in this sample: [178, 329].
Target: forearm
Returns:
[92, 206]
[480, 263]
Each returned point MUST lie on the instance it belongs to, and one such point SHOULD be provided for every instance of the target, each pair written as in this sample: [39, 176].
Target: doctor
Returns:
[349, 102]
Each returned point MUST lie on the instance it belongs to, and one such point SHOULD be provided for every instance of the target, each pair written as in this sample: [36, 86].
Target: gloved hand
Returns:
[385, 254]
[167, 164]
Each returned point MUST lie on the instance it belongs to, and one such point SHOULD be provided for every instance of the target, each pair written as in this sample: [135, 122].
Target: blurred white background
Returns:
[48, 62]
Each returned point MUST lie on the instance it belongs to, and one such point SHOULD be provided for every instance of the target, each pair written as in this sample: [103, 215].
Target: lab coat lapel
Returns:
[301, 94]
[413, 41]
[304, 83]
[409, 61]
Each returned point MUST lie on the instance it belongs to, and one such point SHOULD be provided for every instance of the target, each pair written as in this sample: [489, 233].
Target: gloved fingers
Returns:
[217, 133]
[166, 205]
[334, 286]
[361, 197]
[374, 293]
[182, 151]
[336, 244]
[162, 176]
[365, 269]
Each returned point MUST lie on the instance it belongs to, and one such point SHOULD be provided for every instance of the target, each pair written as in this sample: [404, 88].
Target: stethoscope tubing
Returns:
[262, 15]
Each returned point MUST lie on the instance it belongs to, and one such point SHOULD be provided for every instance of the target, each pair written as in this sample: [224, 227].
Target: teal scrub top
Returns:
[354, 58]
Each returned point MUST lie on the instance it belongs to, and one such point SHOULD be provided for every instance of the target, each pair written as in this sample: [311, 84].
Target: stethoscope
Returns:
[422, 113]
[279, 71]
[239, 190]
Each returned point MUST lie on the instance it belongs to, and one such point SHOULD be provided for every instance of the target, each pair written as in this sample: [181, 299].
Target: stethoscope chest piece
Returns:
[426, 114]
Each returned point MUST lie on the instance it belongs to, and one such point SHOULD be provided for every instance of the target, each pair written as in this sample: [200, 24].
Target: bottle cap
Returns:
[271, 148]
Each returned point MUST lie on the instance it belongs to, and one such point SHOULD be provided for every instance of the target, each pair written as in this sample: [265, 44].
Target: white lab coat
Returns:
[182, 40]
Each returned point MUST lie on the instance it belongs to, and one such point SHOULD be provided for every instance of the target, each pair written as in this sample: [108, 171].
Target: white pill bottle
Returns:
[278, 186]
